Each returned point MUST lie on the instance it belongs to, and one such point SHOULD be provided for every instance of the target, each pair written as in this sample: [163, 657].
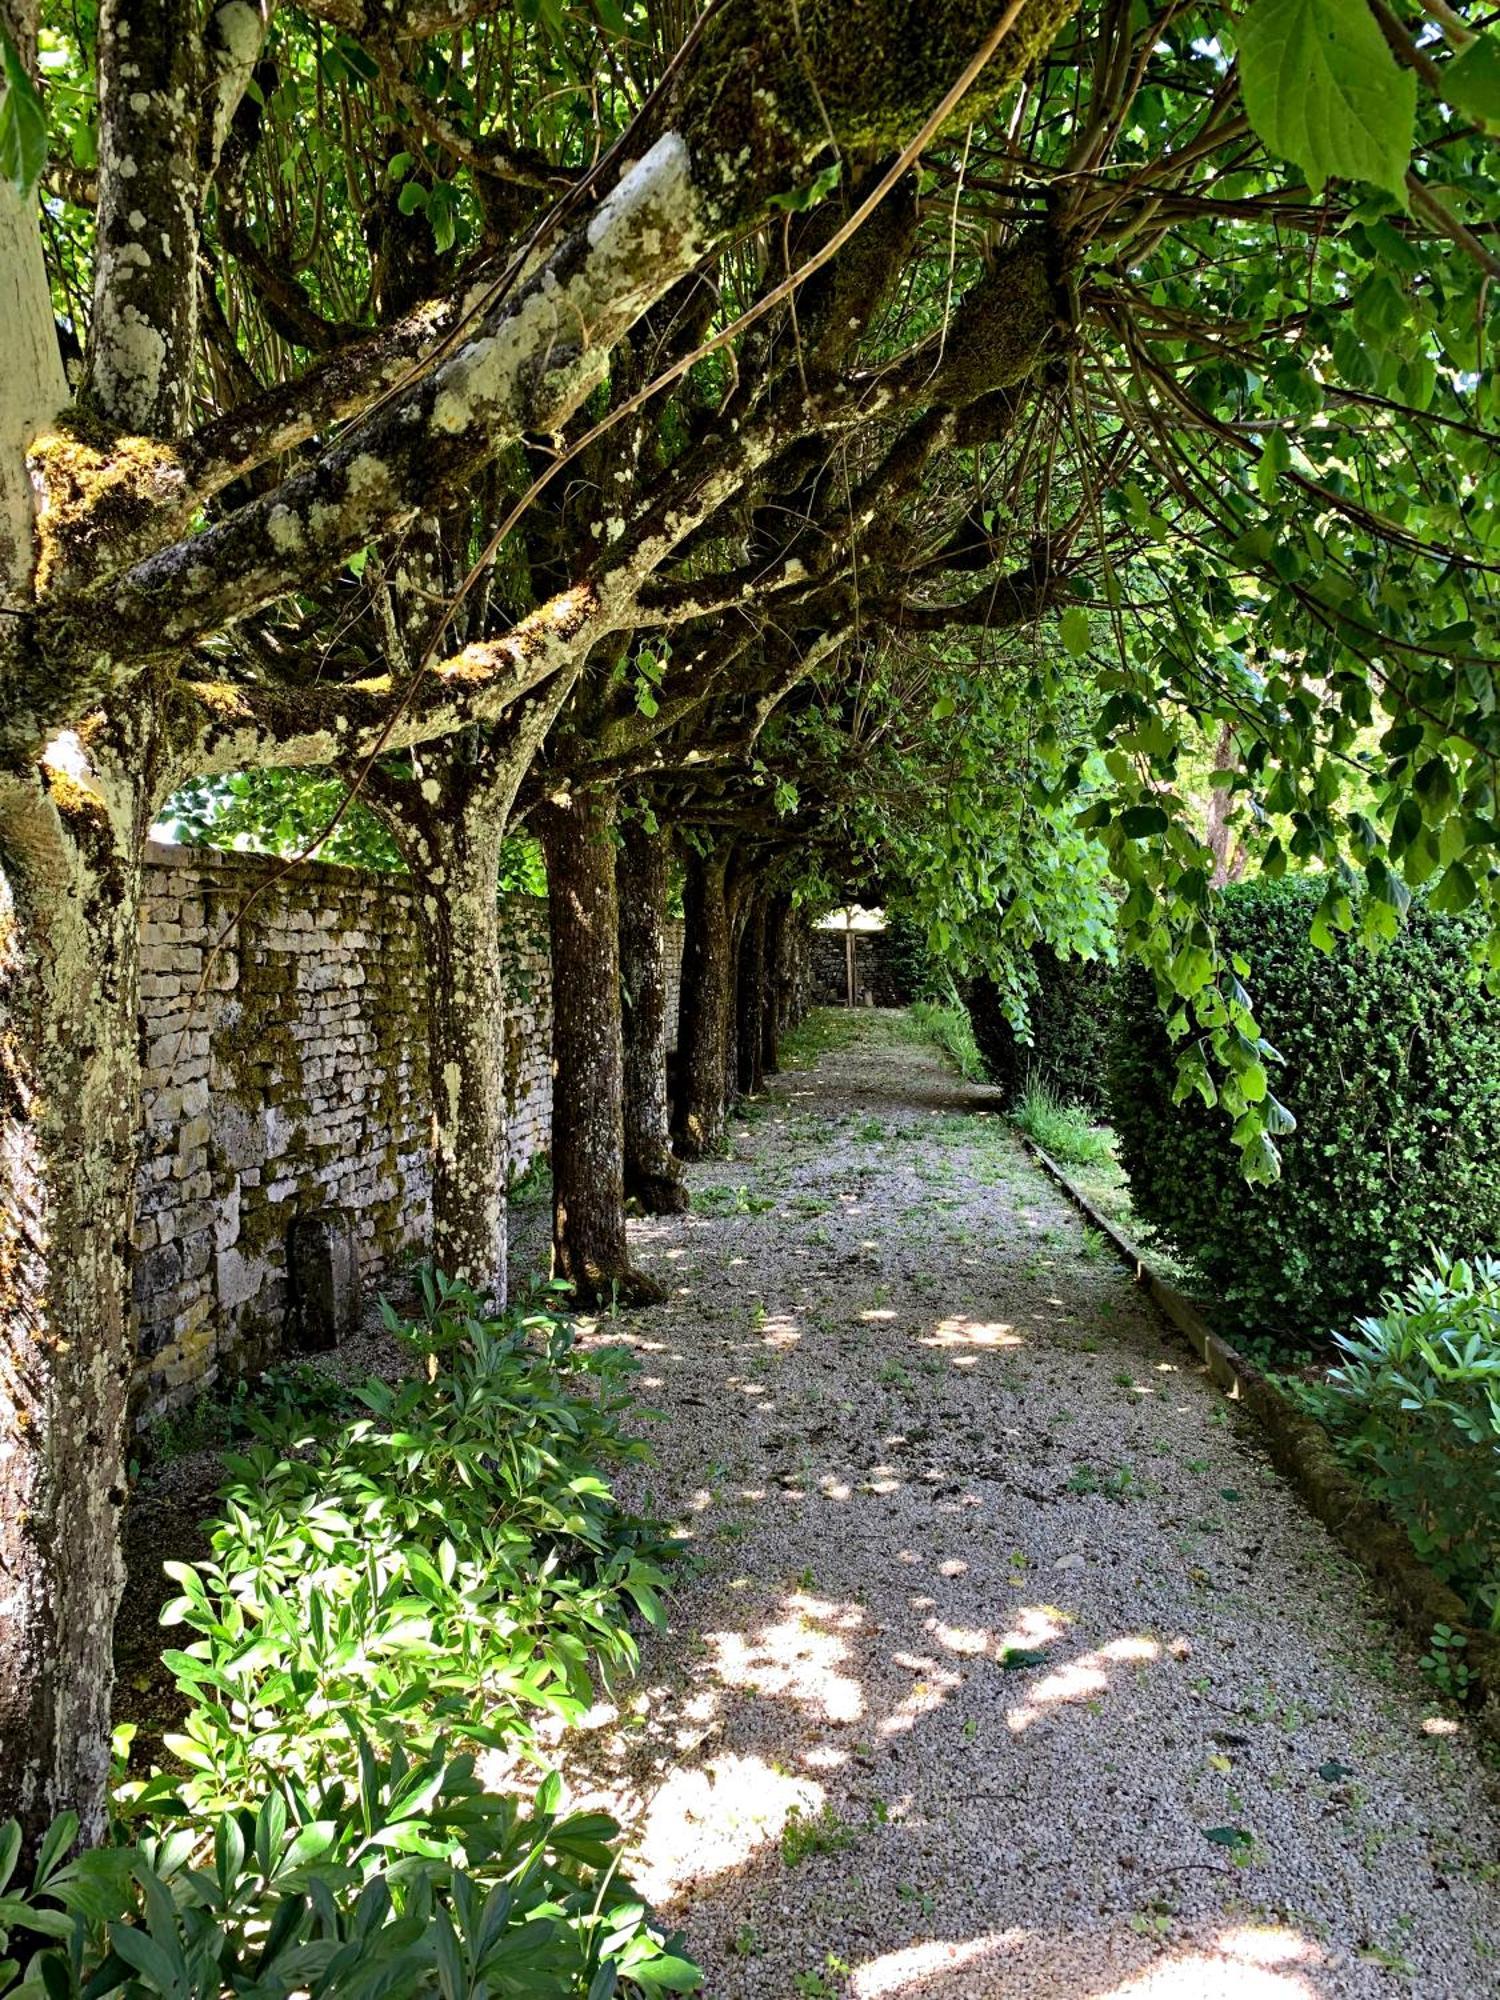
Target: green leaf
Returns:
[1322, 89]
[1472, 81]
[1456, 890]
[58, 1838]
[1074, 628]
[801, 199]
[1141, 822]
[23, 124]
[1229, 1836]
[667, 1974]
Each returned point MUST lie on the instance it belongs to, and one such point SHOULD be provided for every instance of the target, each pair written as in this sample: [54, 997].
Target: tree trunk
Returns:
[69, 1107]
[652, 1176]
[458, 912]
[33, 388]
[751, 997]
[698, 1125]
[589, 1244]
[732, 1000]
[448, 818]
[773, 1013]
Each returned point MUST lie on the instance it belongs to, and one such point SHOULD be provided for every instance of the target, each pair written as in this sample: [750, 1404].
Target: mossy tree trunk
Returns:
[71, 842]
[590, 1248]
[449, 817]
[652, 1175]
[698, 1120]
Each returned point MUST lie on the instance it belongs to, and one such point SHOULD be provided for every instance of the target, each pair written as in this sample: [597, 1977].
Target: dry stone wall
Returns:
[284, 1074]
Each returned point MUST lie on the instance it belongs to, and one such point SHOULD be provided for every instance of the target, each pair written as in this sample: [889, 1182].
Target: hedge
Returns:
[1392, 1068]
[1071, 1006]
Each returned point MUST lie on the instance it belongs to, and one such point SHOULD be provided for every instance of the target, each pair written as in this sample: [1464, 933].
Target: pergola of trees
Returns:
[583, 419]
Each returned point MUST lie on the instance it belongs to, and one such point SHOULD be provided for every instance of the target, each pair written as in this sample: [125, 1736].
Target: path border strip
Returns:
[1301, 1450]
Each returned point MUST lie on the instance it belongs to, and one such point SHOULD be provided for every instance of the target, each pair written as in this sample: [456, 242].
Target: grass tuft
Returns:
[1061, 1129]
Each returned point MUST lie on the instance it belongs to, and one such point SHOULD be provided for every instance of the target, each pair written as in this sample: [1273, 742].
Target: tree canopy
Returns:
[918, 429]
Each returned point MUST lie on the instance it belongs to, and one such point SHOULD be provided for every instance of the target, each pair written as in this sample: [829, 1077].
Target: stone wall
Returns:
[285, 1073]
[879, 981]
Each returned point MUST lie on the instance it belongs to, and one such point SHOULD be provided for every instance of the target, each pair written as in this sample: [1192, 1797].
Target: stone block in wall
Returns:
[238, 1277]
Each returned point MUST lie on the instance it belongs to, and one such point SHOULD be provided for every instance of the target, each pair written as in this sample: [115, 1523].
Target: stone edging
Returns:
[1301, 1450]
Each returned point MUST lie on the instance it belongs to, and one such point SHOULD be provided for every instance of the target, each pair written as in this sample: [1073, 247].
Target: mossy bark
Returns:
[69, 1100]
[143, 336]
[698, 1115]
[466, 1057]
[590, 1248]
[448, 819]
[652, 1175]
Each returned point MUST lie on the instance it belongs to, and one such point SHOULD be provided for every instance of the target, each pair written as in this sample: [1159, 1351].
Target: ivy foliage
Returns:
[1388, 1059]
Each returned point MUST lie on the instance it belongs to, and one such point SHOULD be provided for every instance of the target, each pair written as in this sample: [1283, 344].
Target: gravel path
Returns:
[1002, 1664]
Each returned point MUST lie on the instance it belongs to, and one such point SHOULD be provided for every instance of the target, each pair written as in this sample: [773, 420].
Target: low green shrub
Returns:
[1415, 1407]
[449, 1560]
[1391, 1067]
[413, 1881]
[1070, 1021]
[1061, 1129]
[401, 1579]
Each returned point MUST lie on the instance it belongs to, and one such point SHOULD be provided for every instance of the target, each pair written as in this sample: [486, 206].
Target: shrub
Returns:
[1070, 1010]
[1415, 1405]
[916, 971]
[447, 1561]
[401, 1578]
[414, 1882]
[1392, 1069]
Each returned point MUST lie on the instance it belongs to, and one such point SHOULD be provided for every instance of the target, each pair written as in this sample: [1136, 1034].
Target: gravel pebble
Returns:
[1001, 1663]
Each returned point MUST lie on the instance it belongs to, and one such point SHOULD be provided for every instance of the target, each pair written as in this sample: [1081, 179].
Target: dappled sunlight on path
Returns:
[1000, 1664]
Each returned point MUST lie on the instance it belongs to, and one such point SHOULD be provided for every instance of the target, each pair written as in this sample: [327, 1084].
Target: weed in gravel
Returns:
[1121, 1484]
[804, 1834]
[731, 1201]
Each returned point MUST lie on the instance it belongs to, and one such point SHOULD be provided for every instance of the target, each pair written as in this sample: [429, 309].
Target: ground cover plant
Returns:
[1061, 1128]
[403, 1579]
[1413, 1404]
[945, 1023]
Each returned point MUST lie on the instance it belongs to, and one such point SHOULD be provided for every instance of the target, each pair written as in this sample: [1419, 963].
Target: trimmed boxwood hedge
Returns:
[1392, 1068]
[1072, 1011]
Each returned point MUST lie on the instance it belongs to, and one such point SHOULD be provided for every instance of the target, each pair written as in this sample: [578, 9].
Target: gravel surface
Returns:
[1001, 1662]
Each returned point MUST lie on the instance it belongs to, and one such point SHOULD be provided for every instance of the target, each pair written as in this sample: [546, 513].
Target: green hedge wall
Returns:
[1071, 1004]
[1392, 1068]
